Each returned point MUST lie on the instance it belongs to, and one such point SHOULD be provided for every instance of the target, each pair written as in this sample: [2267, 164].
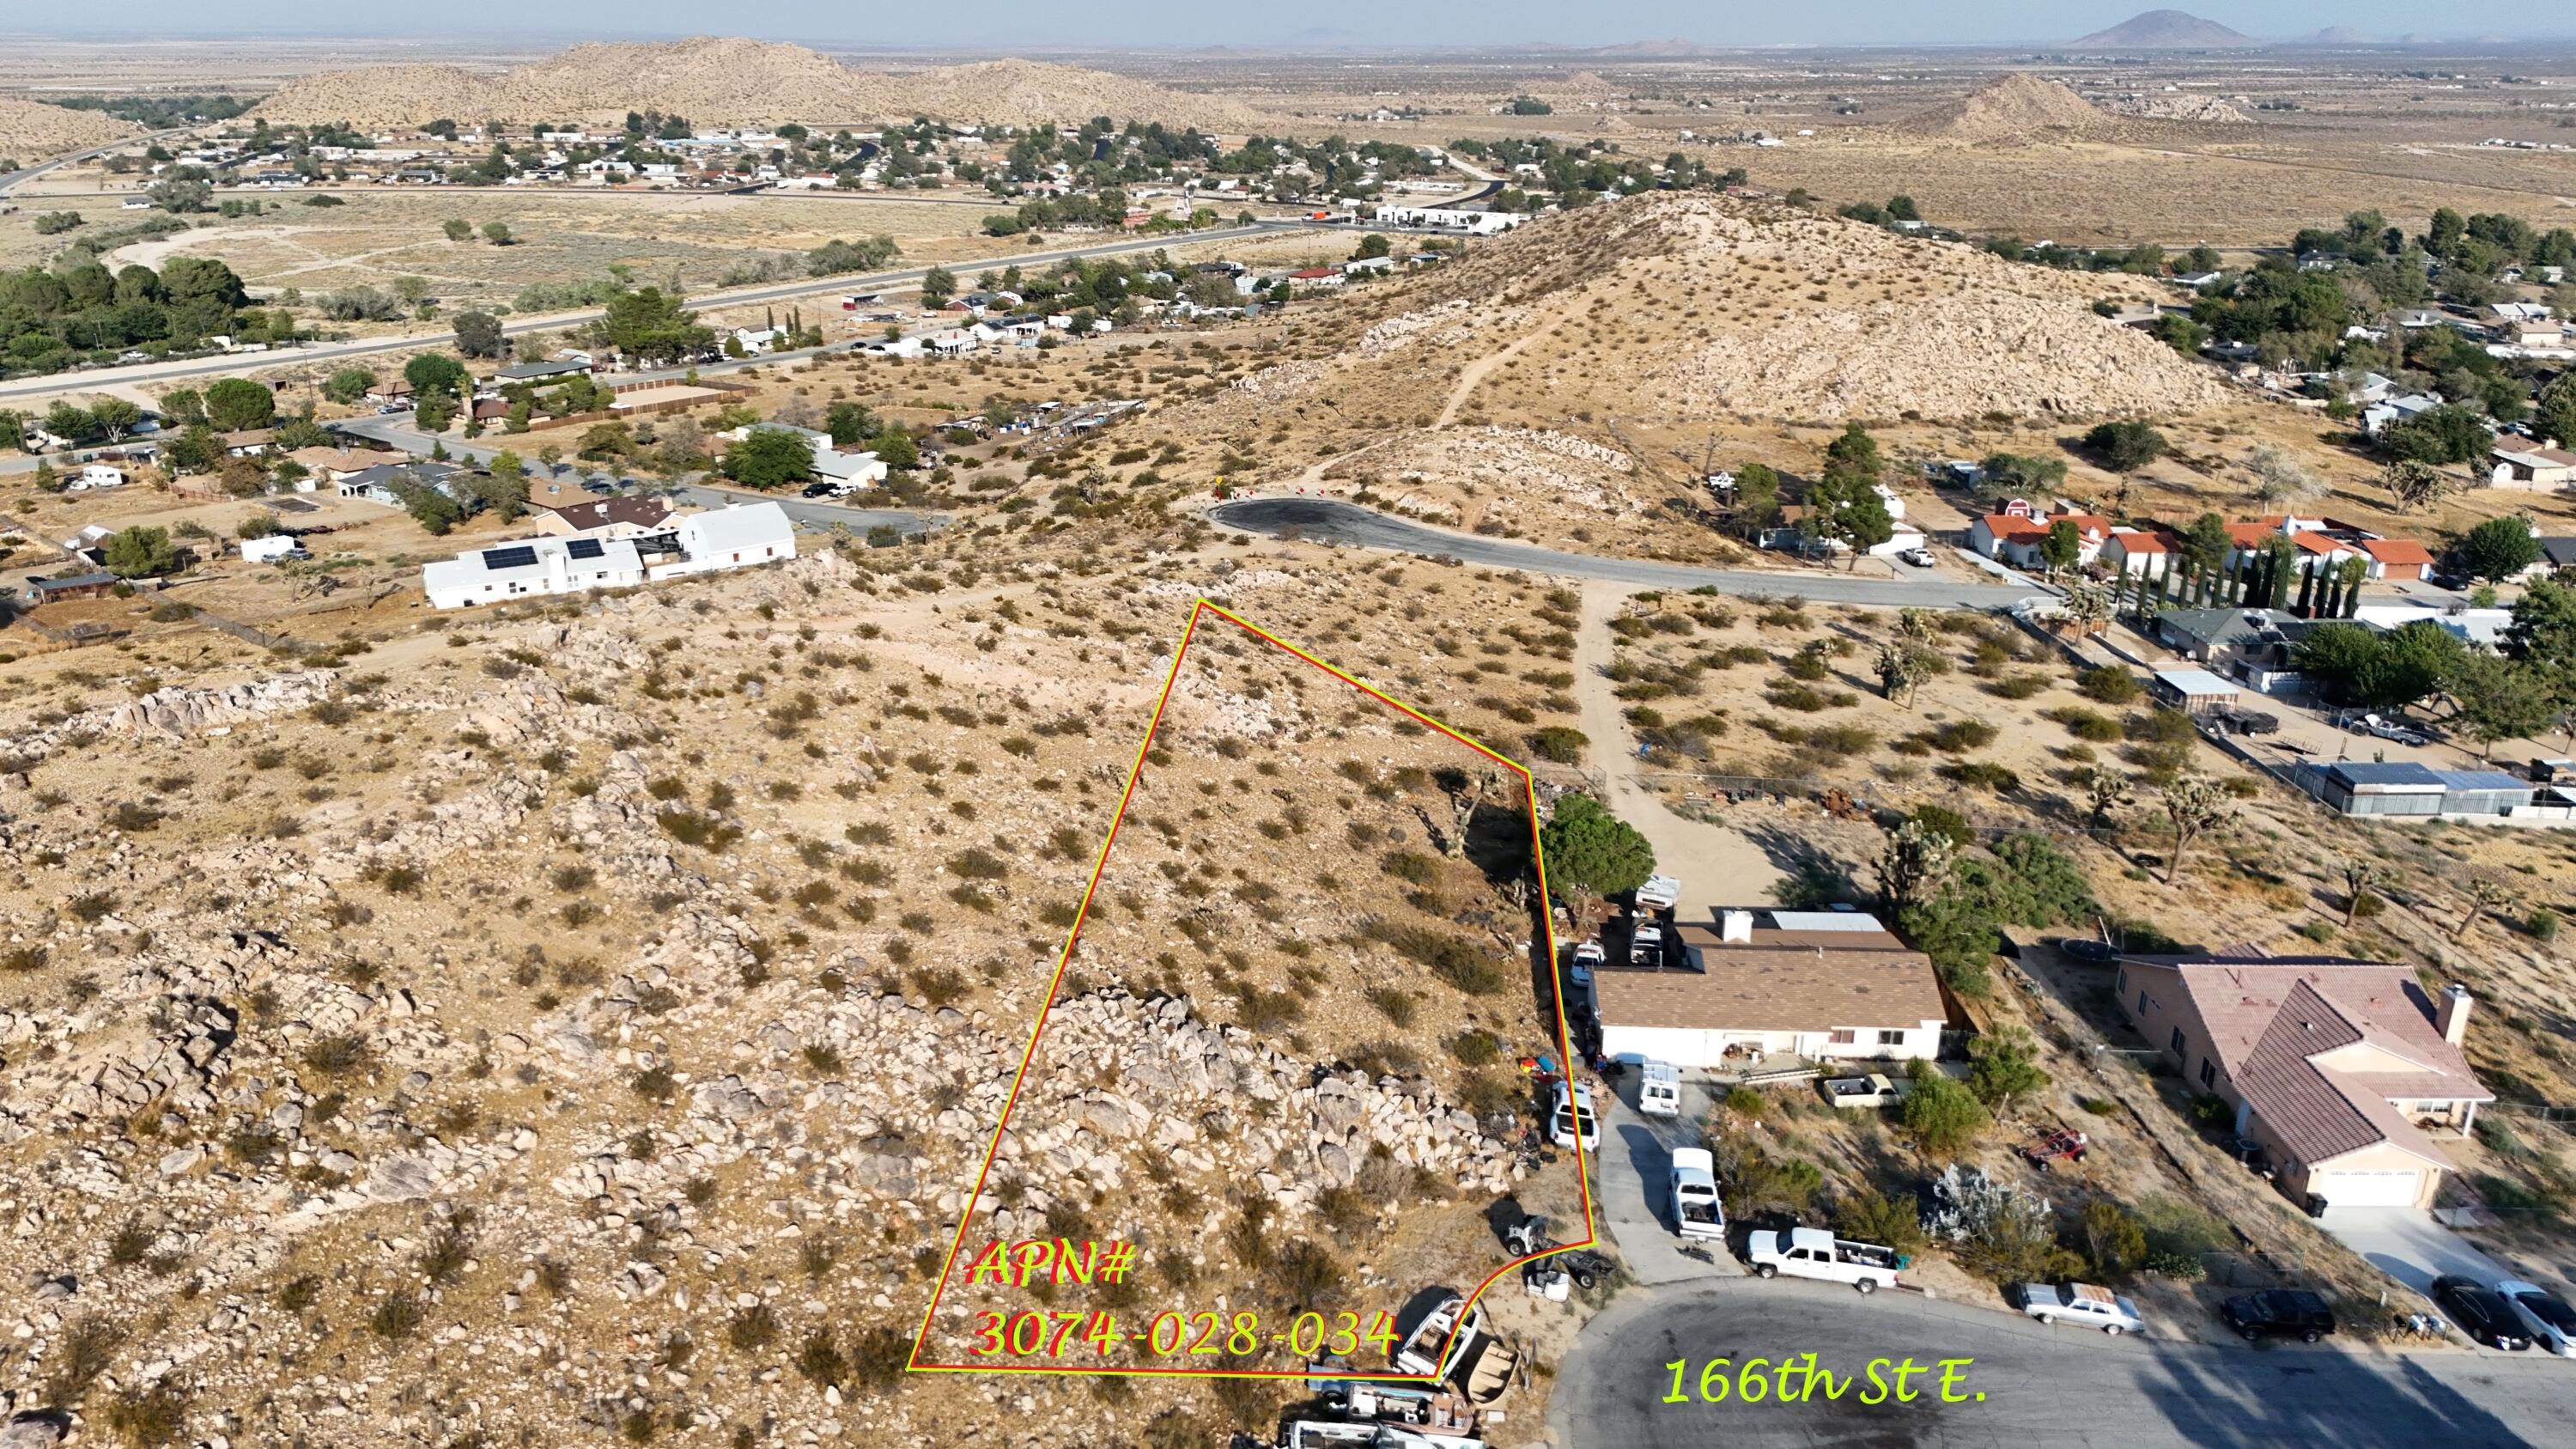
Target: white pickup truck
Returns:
[1873, 1090]
[1659, 893]
[1696, 1211]
[1815, 1253]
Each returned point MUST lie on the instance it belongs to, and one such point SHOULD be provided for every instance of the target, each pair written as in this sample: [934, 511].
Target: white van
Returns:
[1659, 1090]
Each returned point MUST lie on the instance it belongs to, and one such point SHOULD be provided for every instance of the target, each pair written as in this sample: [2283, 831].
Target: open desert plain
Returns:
[1409, 735]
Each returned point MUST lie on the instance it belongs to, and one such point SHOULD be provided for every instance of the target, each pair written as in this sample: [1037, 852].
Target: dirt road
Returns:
[1717, 866]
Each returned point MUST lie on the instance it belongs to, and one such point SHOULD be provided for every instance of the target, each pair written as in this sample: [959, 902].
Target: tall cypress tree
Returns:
[2307, 590]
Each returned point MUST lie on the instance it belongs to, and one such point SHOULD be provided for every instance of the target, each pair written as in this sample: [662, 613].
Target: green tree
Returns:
[1372, 245]
[2011, 475]
[195, 450]
[2447, 434]
[770, 458]
[179, 195]
[137, 552]
[46, 479]
[2114, 1237]
[497, 233]
[937, 286]
[348, 385]
[2062, 547]
[2497, 549]
[478, 334]
[2502, 699]
[2126, 446]
[1940, 1115]
[647, 324]
[435, 373]
[850, 424]
[431, 508]
[894, 448]
[457, 228]
[1870, 1216]
[2554, 415]
[2006, 1066]
[1591, 854]
[504, 487]
[414, 292]
[114, 415]
[236, 403]
[2206, 543]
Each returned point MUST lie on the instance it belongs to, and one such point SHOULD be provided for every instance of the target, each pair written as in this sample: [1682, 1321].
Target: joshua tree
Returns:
[1900, 668]
[2484, 895]
[2195, 804]
[1915, 864]
[2105, 790]
[2360, 873]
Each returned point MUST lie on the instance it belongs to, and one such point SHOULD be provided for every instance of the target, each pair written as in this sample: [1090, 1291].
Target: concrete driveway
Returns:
[2406, 1244]
[2020, 1384]
[1633, 1180]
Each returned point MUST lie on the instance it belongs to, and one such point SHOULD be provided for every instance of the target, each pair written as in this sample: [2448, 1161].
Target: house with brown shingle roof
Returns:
[2347, 1072]
[1816, 984]
[622, 517]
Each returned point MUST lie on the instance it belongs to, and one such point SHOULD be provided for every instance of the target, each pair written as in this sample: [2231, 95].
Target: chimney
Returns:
[1735, 926]
[2453, 1016]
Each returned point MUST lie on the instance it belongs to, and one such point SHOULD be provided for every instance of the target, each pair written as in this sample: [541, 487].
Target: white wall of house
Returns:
[1696, 1047]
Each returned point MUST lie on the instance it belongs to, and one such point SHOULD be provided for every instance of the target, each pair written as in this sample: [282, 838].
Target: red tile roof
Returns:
[2397, 550]
[2132, 541]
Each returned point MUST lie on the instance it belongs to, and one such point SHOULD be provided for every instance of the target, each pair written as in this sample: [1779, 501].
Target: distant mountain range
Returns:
[2166, 30]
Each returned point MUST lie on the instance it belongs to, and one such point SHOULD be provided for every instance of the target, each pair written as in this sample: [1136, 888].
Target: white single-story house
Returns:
[2345, 1071]
[736, 537]
[2136, 552]
[1819, 984]
[2533, 467]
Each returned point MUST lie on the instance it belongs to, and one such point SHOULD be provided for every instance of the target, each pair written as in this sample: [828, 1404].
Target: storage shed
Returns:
[2193, 691]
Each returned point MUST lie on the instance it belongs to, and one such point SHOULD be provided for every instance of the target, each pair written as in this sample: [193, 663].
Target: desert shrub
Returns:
[398, 1315]
[1958, 736]
[1396, 1006]
[1559, 744]
[2085, 724]
[752, 1329]
[2109, 684]
[1871, 1217]
[1996, 1230]
[1475, 1047]
[1454, 959]
[1998, 778]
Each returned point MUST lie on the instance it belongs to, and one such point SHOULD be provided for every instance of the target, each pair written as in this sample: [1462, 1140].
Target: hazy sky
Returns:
[1001, 25]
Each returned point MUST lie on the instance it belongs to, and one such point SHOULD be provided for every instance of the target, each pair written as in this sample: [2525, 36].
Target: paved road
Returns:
[1333, 521]
[331, 352]
[30, 173]
[820, 513]
[2041, 1386]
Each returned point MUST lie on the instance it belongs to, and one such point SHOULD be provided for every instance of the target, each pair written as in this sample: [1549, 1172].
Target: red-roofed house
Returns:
[2137, 552]
[2015, 537]
[2345, 1071]
[2397, 558]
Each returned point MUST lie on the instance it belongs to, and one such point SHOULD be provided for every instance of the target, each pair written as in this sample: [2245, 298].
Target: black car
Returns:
[2279, 1313]
[816, 490]
[2483, 1316]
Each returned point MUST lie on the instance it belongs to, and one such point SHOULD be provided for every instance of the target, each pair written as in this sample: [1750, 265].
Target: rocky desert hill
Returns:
[2015, 104]
[586, 1020]
[31, 131]
[1507, 393]
[732, 81]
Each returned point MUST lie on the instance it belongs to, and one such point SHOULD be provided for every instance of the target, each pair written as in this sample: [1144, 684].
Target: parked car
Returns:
[1696, 1210]
[2551, 1322]
[1874, 1090]
[2481, 1313]
[2087, 1304]
[1659, 1090]
[1588, 958]
[1921, 558]
[2388, 729]
[2087, 950]
[2245, 722]
[1571, 1119]
[1815, 1253]
[2279, 1313]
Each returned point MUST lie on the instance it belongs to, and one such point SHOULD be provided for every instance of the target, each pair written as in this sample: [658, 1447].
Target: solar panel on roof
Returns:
[508, 558]
[585, 548]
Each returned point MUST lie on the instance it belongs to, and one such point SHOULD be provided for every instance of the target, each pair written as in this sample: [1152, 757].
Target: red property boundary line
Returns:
[1135, 772]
